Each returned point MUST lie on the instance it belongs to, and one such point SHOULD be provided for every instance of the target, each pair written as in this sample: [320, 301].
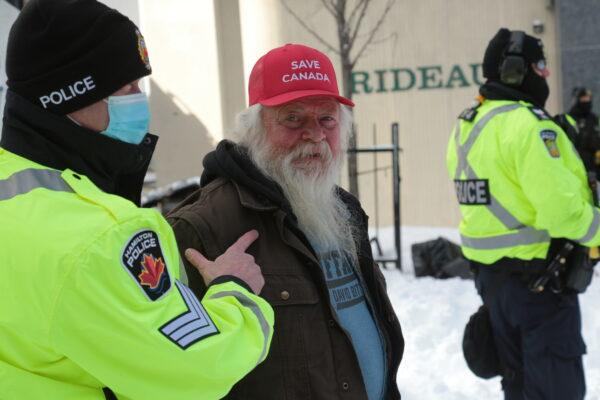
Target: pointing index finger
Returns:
[242, 244]
[196, 258]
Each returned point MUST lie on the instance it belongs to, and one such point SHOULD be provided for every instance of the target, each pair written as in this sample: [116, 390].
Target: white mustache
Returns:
[320, 149]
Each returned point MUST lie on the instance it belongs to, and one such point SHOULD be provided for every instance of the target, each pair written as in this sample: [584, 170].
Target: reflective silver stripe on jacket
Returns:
[29, 179]
[524, 234]
[593, 229]
[251, 304]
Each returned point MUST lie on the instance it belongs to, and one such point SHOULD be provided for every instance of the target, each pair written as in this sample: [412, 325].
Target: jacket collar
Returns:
[253, 200]
[493, 90]
[55, 141]
[229, 160]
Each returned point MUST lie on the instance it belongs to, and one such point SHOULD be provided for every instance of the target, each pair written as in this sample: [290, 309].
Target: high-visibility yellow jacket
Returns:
[519, 182]
[91, 296]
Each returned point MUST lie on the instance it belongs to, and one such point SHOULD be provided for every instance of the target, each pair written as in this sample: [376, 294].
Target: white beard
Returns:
[310, 187]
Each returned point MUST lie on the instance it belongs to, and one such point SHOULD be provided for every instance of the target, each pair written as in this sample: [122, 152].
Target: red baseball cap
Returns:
[292, 72]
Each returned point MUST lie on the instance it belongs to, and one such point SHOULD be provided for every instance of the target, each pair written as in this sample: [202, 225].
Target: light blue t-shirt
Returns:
[348, 300]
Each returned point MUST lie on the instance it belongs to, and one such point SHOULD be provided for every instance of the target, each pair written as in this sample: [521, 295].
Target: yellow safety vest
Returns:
[519, 182]
[91, 296]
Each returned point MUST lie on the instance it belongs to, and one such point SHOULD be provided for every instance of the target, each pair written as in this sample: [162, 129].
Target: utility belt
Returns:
[513, 266]
[568, 266]
[523, 270]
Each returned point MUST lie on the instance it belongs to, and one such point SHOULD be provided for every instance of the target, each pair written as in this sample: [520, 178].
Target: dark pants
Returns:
[538, 337]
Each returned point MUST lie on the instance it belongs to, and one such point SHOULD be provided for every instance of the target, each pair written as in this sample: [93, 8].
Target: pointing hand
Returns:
[235, 262]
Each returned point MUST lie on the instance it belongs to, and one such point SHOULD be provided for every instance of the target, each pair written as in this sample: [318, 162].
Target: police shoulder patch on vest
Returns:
[549, 138]
[143, 259]
[473, 192]
[470, 113]
[539, 113]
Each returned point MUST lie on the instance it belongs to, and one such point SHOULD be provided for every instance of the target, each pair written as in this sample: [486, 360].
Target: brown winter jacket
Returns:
[311, 356]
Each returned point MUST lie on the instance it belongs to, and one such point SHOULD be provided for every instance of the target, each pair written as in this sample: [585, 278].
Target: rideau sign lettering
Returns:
[418, 78]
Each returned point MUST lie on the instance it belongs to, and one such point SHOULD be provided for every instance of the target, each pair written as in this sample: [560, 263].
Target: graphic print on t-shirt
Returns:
[344, 288]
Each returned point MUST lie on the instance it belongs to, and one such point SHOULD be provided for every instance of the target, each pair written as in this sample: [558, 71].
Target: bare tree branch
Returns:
[363, 12]
[393, 35]
[355, 10]
[348, 32]
[330, 7]
[312, 14]
[308, 28]
[342, 28]
[389, 5]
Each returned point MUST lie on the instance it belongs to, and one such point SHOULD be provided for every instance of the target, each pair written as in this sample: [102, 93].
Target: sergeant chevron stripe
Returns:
[191, 326]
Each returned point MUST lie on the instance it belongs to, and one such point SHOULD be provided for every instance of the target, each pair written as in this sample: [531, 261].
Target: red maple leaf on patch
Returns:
[153, 269]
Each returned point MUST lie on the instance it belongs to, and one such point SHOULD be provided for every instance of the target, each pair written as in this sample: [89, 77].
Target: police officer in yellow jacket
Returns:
[521, 186]
[93, 303]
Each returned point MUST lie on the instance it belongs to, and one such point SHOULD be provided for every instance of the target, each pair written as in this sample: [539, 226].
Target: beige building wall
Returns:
[185, 90]
[231, 63]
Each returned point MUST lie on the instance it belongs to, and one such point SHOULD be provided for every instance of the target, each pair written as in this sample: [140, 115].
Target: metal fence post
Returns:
[396, 194]
[395, 149]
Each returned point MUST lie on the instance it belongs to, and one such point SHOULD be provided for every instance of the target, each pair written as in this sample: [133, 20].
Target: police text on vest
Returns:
[472, 191]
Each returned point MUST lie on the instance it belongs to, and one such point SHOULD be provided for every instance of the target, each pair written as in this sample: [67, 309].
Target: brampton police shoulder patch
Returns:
[549, 138]
[143, 259]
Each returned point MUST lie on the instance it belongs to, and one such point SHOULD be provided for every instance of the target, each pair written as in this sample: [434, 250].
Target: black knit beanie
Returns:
[533, 51]
[64, 55]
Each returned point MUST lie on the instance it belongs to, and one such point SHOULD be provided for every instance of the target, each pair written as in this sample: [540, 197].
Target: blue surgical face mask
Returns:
[129, 117]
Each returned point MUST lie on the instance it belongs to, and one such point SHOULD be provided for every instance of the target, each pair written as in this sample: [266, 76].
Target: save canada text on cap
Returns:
[292, 72]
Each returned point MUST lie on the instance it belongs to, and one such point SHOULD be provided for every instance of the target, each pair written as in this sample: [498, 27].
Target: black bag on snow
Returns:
[478, 345]
[439, 258]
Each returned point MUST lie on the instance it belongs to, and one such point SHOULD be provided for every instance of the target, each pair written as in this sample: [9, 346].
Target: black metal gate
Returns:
[394, 149]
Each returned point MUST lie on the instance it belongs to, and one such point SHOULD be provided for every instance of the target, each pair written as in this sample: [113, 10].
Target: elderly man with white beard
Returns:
[336, 334]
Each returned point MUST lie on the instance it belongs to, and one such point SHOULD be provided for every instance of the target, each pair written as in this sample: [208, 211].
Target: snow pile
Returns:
[433, 314]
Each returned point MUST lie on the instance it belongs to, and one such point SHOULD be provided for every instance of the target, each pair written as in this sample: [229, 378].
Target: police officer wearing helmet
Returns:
[581, 109]
[585, 121]
[91, 292]
[523, 192]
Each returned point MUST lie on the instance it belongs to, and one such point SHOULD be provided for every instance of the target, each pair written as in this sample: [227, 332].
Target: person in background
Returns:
[581, 126]
[524, 199]
[586, 123]
[93, 304]
[337, 335]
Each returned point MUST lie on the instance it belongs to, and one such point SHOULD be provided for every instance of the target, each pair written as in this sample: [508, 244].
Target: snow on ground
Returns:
[433, 314]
